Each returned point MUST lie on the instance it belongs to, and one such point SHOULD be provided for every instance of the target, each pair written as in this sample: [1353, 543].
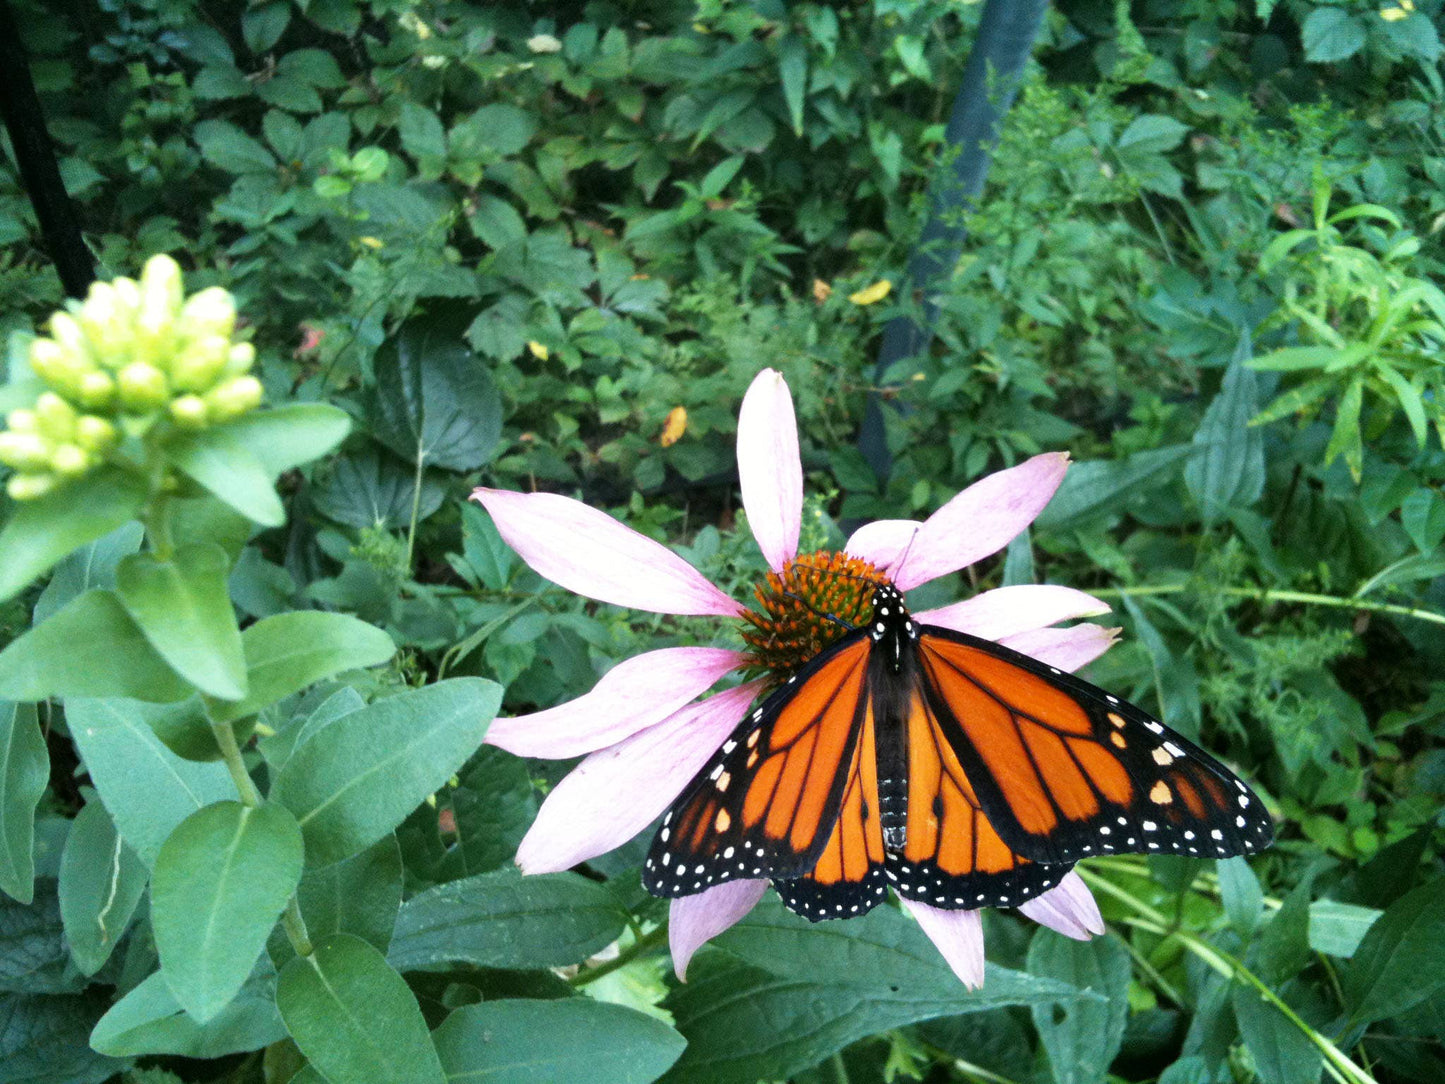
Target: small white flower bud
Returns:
[27, 487]
[200, 364]
[70, 460]
[189, 411]
[23, 451]
[212, 312]
[54, 417]
[94, 434]
[142, 387]
[233, 398]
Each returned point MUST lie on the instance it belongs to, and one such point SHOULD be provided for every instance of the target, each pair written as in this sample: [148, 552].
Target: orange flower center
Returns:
[812, 603]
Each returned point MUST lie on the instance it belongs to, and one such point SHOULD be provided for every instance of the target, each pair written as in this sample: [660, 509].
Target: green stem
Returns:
[415, 508]
[291, 920]
[236, 764]
[1265, 594]
[643, 945]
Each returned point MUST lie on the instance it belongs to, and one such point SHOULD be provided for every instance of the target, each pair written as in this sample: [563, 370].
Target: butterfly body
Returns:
[956, 771]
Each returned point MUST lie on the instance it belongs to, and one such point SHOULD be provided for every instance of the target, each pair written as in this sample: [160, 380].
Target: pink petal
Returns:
[980, 521]
[618, 791]
[1006, 611]
[769, 467]
[1068, 649]
[1068, 907]
[695, 920]
[590, 553]
[633, 695]
[958, 935]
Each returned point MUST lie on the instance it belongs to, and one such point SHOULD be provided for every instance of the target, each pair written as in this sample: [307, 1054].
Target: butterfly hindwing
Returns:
[765, 804]
[1064, 770]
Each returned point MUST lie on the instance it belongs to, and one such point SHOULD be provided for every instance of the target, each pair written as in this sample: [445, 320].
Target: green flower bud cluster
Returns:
[132, 354]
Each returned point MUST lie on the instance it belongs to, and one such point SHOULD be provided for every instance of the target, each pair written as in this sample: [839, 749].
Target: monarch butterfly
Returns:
[955, 770]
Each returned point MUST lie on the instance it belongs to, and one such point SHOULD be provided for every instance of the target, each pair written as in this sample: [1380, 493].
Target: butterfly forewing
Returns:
[769, 799]
[1064, 770]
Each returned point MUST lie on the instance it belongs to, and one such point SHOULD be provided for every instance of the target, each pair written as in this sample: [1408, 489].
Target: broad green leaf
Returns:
[500, 130]
[359, 895]
[354, 781]
[92, 565]
[149, 1020]
[24, 771]
[263, 26]
[503, 919]
[41, 532]
[184, 608]
[288, 436]
[101, 882]
[354, 1017]
[1331, 34]
[34, 959]
[1228, 471]
[1101, 485]
[435, 401]
[221, 880]
[288, 652]
[793, 72]
[1297, 358]
[146, 787]
[1151, 133]
[491, 810]
[743, 1023]
[1082, 1036]
[488, 559]
[1282, 949]
[521, 1041]
[118, 659]
[227, 147]
[338, 702]
[1336, 929]
[1345, 438]
[228, 467]
[371, 489]
[1401, 960]
[43, 1040]
[1423, 516]
[1240, 892]
[1283, 1054]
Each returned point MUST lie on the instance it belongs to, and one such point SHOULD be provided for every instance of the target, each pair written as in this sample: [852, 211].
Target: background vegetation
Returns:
[510, 241]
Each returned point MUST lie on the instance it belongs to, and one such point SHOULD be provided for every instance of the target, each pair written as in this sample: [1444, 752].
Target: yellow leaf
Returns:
[821, 291]
[674, 427]
[538, 351]
[871, 294]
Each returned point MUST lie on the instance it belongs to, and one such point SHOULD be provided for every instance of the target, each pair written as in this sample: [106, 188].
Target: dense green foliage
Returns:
[509, 242]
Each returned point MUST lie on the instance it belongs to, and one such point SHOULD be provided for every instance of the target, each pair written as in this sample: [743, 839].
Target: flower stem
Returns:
[415, 508]
[643, 945]
[1266, 594]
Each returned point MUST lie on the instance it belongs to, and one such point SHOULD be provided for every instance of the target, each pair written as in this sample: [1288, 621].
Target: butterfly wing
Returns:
[1062, 769]
[765, 804]
[952, 856]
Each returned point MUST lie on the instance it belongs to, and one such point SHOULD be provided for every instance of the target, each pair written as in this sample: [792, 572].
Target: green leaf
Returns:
[492, 809]
[371, 489]
[1282, 949]
[92, 565]
[521, 1041]
[1241, 894]
[34, 960]
[118, 659]
[354, 1017]
[356, 780]
[793, 72]
[147, 788]
[1337, 929]
[43, 531]
[24, 772]
[499, 128]
[1101, 485]
[101, 882]
[288, 652]
[263, 26]
[435, 402]
[503, 919]
[488, 558]
[1401, 960]
[184, 608]
[221, 880]
[1082, 1036]
[1293, 359]
[793, 992]
[1331, 34]
[1423, 516]
[1283, 1054]
[1345, 439]
[43, 1041]
[286, 437]
[227, 147]
[1228, 472]
[149, 1020]
[422, 137]
[1151, 133]
[359, 895]
[226, 465]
